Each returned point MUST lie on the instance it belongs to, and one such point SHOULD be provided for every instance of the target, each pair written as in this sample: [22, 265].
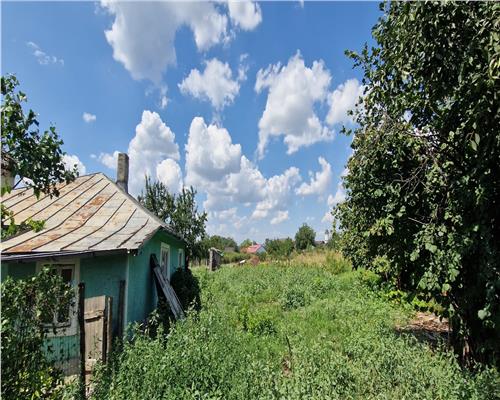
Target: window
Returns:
[181, 258]
[65, 318]
[165, 260]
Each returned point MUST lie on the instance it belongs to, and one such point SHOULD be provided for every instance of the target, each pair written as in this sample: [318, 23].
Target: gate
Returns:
[97, 334]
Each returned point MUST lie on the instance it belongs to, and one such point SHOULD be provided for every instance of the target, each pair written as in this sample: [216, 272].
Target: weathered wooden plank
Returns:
[169, 293]
[167, 290]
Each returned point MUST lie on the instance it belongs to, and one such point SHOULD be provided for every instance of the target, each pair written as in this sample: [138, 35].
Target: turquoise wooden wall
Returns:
[102, 276]
[142, 296]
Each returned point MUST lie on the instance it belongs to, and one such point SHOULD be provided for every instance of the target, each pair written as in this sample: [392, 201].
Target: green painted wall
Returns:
[142, 296]
[102, 276]
[21, 270]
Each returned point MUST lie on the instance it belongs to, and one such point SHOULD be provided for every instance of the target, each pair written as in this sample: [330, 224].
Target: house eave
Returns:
[34, 256]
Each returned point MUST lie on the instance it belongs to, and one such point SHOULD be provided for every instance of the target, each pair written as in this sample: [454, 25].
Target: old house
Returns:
[95, 233]
[255, 249]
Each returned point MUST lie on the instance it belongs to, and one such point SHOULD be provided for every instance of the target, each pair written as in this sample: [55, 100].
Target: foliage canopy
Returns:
[27, 306]
[304, 237]
[424, 179]
[179, 211]
[34, 158]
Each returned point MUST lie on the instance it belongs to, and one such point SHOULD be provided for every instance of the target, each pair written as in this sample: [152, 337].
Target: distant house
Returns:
[255, 249]
[95, 233]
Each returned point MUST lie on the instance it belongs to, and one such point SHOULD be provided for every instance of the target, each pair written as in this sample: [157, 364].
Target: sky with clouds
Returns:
[242, 100]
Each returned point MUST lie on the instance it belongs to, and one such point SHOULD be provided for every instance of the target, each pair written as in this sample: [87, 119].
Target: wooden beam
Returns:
[167, 290]
[81, 323]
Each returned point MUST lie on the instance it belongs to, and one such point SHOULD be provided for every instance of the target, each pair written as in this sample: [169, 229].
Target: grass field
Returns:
[289, 332]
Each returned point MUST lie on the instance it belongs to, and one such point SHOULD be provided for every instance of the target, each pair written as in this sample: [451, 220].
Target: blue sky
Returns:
[243, 101]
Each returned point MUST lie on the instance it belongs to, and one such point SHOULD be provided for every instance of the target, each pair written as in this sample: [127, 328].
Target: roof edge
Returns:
[23, 257]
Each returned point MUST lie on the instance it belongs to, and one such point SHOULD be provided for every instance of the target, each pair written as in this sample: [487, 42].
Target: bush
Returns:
[187, 288]
[293, 298]
[279, 248]
[233, 257]
[28, 309]
[336, 264]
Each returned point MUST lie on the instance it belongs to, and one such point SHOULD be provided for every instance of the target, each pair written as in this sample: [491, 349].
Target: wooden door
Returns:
[98, 324]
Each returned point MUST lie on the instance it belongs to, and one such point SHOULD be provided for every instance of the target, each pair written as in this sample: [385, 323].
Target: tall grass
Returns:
[292, 332]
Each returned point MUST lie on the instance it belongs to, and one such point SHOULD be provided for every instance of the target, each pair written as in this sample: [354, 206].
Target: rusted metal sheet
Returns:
[91, 213]
[56, 222]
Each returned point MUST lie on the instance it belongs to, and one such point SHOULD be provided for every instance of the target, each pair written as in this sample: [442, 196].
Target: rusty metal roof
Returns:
[91, 214]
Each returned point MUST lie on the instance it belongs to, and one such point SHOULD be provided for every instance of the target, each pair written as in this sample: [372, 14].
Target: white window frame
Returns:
[166, 273]
[71, 328]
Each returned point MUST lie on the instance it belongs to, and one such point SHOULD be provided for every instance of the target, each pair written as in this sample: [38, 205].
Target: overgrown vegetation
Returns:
[233, 257]
[180, 212]
[300, 331]
[423, 183]
[304, 237]
[279, 248]
[29, 308]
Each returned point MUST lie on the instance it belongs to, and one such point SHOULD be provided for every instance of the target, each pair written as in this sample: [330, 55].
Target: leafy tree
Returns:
[179, 211]
[34, 158]
[279, 247]
[424, 179]
[25, 151]
[246, 243]
[334, 241]
[220, 242]
[304, 237]
[27, 306]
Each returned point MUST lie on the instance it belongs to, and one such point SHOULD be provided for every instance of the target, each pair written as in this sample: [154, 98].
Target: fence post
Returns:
[81, 323]
[121, 309]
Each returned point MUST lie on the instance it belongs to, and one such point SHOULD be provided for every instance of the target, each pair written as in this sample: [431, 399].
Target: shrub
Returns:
[187, 288]
[28, 309]
[336, 264]
[293, 298]
[233, 257]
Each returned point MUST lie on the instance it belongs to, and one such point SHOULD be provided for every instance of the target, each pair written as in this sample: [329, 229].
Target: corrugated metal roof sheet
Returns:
[91, 214]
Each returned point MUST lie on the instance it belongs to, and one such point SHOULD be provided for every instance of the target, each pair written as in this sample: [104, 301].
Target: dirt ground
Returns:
[427, 327]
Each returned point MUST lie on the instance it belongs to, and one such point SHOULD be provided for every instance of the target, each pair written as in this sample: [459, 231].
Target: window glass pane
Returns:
[67, 275]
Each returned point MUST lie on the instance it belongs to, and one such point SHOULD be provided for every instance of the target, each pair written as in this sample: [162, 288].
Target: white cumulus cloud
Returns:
[143, 33]
[320, 182]
[215, 84]
[70, 161]
[294, 89]
[210, 153]
[169, 173]
[246, 14]
[88, 117]
[153, 143]
[333, 200]
[343, 99]
[277, 193]
[109, 160]
[280, 217]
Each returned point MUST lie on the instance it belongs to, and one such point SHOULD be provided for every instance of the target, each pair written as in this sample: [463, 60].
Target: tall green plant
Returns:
[180, 211]
[424, 179]
[304, 237]
[28, 309]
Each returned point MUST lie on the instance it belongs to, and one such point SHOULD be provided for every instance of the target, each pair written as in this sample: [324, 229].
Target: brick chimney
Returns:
[122, 171]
